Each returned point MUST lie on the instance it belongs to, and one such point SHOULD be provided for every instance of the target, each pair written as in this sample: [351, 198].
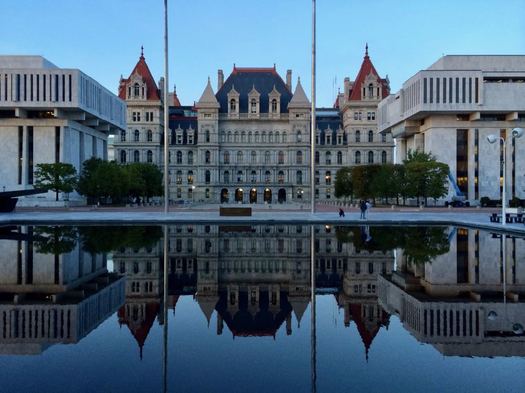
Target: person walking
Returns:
[362, 207]
[368, 206]
[341, 212]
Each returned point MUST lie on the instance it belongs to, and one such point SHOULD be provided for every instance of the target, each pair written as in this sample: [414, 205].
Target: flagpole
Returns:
[166, 109]
[313, 130]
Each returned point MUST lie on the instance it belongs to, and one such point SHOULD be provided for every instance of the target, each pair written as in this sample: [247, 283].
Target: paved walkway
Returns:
[388, 217]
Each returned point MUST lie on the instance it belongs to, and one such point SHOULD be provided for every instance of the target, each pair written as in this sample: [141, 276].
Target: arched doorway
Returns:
[224, 195]
[281, 195]
[267, 196]
[300, 193]
[253, 195]
[239, 193]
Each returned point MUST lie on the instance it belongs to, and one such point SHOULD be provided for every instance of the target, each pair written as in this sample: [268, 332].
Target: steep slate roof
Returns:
[367, 68]
[140, 332]
[299, 99]
[208, 99]
[367, 336]
[142, 69]
[263, 79]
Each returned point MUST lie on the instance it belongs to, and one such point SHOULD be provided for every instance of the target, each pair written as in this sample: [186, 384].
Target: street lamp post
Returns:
[516, 133]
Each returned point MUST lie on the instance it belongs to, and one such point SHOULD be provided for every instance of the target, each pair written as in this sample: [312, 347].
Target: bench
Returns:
[235, 211]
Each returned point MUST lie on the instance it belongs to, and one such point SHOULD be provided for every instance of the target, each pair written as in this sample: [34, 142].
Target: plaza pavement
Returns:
[473, 218]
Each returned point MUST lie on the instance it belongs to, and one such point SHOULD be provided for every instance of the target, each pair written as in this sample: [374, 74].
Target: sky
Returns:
[103, 37]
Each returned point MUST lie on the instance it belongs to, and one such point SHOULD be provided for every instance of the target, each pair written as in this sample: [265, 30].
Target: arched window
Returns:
[253, 176]
[179, 157]
[370, 136]
[123, 136]
[270, 137]
[239, 157]
[136, 137]
[207, 136]
[226, 176]
[339, 158]
[267, 176]
[299, 157]
[150, 136]
[370, 90]
[207, 157]
[299, 177]
[299, 136]
[317, 157]
[253, 105]
[243, 136]
[285, 137]
[123, 156]
[370, 157]
[358, 157]
[223, 136]
[358, 136]
[136, 156]
[179, 177]
[149, 156]
[239, 176]
[277, 136]
[274, 105]
[207, 177]
[233, 106]
[256, 136]
[226, 157]
[190, 177]
[236, 136]
[328, 178]
[280, 157]
[229, 136]
[263, 136]
[190, 158]
[267, 157]
[280, 177]
[249, 137]
[328, 158]
[136, 90]
[383, 157]
[254, 156]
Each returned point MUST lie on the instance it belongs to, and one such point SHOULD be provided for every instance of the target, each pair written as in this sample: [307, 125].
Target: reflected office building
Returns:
[51, 290]
[256, 278]
[465, 302]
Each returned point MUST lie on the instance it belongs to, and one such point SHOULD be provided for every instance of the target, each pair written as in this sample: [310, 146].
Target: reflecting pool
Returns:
[212, 308]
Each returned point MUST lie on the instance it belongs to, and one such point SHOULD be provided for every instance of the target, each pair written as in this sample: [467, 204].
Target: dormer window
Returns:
[136, 90]
[370, 90]
[233, 105]
[274, 105]
[253, 106]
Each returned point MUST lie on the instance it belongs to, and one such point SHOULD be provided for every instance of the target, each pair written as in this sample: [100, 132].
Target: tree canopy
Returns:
[57, 177]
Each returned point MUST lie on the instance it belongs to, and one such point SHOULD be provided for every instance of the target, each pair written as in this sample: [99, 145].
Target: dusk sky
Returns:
[103, 37]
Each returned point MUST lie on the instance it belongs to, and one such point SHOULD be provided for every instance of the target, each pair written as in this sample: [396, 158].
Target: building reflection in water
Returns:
[456, 289]
[51, 290]
[466, 302]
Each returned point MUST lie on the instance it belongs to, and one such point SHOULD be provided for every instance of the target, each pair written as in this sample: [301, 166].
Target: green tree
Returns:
[102, 180]
[145, 180]
[418, 156]
[57, 177]
[343, 183]
[55, 240]
[363, 180]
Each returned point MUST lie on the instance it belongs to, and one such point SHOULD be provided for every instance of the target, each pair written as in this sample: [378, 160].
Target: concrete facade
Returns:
[481, 95]
[47, 115]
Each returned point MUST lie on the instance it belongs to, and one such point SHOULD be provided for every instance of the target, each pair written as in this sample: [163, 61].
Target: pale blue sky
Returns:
[103, 37]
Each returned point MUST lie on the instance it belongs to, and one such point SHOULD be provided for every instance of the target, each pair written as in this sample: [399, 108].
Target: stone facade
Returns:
[449, 110]
[48, 115]
[249, 142]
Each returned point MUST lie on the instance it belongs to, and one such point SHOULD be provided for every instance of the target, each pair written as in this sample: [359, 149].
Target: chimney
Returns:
[347, 87]
[220, 79]
[289, 79]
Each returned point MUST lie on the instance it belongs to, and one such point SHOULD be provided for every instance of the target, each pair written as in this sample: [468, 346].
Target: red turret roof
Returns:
[367, 68]
[140, 332]
[367, 336]
[142, 69]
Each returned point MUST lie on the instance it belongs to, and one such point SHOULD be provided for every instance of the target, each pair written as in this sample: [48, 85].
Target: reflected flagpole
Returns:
[313, 123]
[313, 332]
[166, 108]
[165, 311]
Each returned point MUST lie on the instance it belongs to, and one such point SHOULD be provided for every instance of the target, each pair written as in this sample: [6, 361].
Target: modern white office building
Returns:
[50, 114]
[450, 108]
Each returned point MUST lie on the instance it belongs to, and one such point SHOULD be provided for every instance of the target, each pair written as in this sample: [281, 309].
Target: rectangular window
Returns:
[424, 90]
[37, 87]
[476, 163]
[464, 88]
[457, 90]
[450, 90]
[57, 144]
[56, 88]
[444, 90]
[462, 160]
[31, 87]
[25, 87]
[437, 90]
[476, 90]
[44, 80]
[94, 145]
[69, 87]
[30, 155]
[17, 87]
[470, 90]
[63, 87]
[431, 90]
[20, 152]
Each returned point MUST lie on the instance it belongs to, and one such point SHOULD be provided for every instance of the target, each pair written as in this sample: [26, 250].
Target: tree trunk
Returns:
[56, 195]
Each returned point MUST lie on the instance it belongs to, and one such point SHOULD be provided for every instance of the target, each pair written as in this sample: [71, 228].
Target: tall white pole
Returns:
[504, 196]
[313, 130]
[313, 315]
[166, 109]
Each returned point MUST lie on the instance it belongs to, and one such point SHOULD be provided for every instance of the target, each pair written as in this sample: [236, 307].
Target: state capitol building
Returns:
[249, 141]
